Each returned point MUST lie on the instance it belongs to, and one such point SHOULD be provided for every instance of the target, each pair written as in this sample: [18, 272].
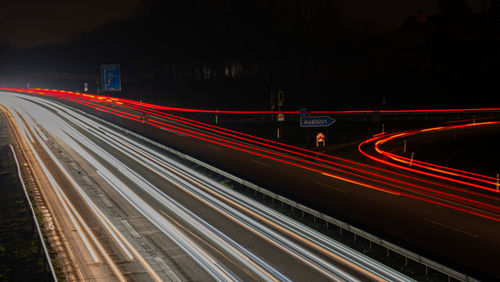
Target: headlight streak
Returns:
[166, 202]
[326, 249]
[437, 169]
[447, 195]
[208, 263]
[160, 163]
[258, 261]
[70, 210]
[138, 152]
[243, 220]
[99, 215]
[114, 234]
[220, 273]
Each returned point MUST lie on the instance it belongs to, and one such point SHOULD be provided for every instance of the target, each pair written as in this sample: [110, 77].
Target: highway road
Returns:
[126, 210]
[445, 220]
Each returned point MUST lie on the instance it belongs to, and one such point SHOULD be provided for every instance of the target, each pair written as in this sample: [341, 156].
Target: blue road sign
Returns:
[303, 112]
[323, 121]
[110, 78]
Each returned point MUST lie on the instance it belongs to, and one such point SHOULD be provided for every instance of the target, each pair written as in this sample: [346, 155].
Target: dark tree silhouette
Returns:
[494, 10]
[453, 7]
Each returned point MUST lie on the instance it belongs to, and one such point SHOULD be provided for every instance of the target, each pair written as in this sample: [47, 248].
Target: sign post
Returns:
[281, 98]
[110, 78]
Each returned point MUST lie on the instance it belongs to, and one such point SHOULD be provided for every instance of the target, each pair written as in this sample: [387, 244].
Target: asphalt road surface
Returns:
[406, 209]
[127, 211]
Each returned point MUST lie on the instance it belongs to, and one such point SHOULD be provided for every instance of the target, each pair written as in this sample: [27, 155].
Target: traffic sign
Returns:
[110, 78]
[303, 112]
[281, 116]
[281, 98]
[320, 138]
[318, 121]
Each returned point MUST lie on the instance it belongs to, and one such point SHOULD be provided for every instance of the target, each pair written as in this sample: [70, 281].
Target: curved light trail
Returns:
[367, 176]
[270, 226]
[116, 100]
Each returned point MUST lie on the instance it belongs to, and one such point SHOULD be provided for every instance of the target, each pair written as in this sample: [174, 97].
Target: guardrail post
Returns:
[387, 254]
[355, 238]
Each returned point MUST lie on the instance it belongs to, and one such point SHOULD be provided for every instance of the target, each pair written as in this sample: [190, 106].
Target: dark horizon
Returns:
[324, 55]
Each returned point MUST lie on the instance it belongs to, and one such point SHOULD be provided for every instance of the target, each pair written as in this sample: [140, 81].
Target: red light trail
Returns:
[437, 171]
[332, 166]
[189, 110]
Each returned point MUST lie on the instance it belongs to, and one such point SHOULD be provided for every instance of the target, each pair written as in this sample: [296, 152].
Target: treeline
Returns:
[228, 53]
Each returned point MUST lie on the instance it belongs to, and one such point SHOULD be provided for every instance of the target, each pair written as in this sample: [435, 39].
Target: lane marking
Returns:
[105, 200]
[452, 228]
[361, 184]
[261, 163]
[130, 229]
[171, 275]
[331, 187]
[213, 147]
[87, 180]
[74, 165]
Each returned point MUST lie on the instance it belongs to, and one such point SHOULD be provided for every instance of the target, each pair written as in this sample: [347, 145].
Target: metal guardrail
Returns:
[35, 220]
[428, 263]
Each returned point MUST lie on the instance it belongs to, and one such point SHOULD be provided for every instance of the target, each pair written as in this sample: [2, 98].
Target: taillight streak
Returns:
[89, 98]
[209, 138]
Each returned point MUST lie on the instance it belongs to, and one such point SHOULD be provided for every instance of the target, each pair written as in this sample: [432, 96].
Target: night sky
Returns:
[25, 23]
